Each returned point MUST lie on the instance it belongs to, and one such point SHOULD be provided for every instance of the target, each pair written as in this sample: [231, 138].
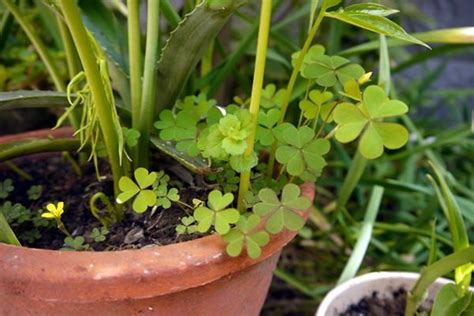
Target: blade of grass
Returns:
[365, 235]
[6, 233]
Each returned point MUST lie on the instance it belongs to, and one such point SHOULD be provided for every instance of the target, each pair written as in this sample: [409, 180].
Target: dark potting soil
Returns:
[60, 182]
[375, 305]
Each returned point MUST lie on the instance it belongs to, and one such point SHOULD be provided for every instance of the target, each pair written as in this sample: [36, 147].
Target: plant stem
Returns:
[25, 175]
[33, 146]
[259, 73]
[135, 59]
[99, 95]
[292, 81]
[38, 44]
[147, 110]
[6, 233]
[170, 13]
[434, 271]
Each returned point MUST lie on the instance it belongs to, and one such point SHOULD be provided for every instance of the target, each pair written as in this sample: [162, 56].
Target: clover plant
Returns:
[135, 115]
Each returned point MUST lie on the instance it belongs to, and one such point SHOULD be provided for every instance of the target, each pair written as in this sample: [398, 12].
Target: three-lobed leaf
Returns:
[366, 119]
[216, 213]
[144, 197]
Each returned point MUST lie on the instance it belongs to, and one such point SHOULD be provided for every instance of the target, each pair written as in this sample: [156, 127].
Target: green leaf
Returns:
[217, 214]
[375, 23]
[32, 99]
[318, 103]
[450, 301]
[6, 187]
[131, 136]
[34, 192]
[328, 70]
[188, 226]
[366, 120]
[282, 214]
[144, 197]
[371, 8]
[301, 153]
[246, 233]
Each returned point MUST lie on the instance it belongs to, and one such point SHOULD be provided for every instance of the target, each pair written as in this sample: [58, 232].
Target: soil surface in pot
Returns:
[59, 182]
[375, 305]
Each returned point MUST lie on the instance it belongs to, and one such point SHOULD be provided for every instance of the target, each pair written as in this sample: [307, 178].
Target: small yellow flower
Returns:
[54, 211]
[365, 78]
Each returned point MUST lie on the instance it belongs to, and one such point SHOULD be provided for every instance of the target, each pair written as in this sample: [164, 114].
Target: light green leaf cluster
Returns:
[164, 195]
[301, 153]
[271, 97]
[282, 213]
[366, 119]
[227, 140]
[266, 122]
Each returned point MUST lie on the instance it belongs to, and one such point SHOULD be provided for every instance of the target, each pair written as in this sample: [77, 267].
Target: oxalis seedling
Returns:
[264, 153]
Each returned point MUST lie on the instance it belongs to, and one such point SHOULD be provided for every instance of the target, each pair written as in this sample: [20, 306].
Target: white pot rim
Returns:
[343, 291]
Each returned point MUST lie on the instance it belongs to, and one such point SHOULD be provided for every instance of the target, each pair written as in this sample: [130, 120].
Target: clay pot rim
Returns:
[202, 261]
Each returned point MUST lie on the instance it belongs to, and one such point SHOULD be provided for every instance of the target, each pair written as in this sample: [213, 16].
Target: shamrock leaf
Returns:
[6, 187]
[245, 234]
[144, 197]
[271, 98]
[366, 120]
[328, 70]
[34, 192]
[187, 226]
[181, 127]
[216, 213]
[228, 180]
[301, 153]
[99, 235]
[15, 212]
[310, 57]
[266, 123]
[165, 196]
[76, 243]
[199, 105]
[282, 213]
[318, 104]
[131, 136]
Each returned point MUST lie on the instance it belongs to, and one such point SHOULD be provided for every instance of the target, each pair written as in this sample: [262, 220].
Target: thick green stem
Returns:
[38, 44]
[294, 76]
[147, 111]
[259, 73]
[6, 233]
[434, 271]
[33, 146]
[99, 94]
[135, 59]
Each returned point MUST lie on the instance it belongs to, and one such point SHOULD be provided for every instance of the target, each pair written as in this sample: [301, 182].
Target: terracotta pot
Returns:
[383, 283]
[189, 278]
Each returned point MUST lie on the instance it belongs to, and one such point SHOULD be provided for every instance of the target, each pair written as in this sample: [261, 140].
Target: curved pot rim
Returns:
[340, 291]
[38, 273]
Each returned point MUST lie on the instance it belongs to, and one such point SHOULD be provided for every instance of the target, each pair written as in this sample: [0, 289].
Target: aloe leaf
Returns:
[36, 145]
[186, 46]
[32, 99]
[194, 164]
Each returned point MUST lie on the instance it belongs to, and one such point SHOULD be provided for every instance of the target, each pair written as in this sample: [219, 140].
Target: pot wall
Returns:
[189, 278]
